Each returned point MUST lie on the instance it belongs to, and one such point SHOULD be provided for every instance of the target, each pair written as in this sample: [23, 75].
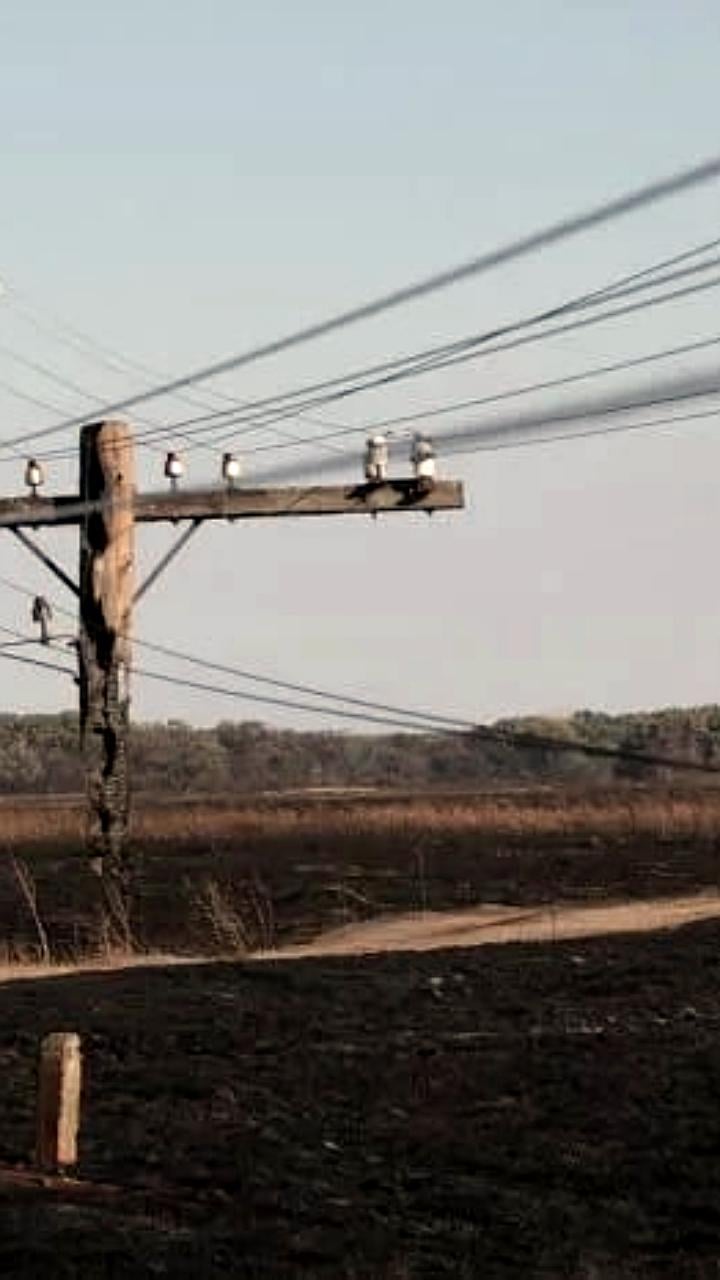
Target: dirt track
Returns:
[436, 930]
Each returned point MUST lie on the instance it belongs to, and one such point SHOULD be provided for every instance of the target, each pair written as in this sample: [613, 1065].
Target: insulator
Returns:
[422, 457]
[174, 466]
[376, 459]
[231, 468]
[34, 474]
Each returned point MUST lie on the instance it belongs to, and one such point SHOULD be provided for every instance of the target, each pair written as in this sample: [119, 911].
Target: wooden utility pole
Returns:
[107, 527]
[106, 510]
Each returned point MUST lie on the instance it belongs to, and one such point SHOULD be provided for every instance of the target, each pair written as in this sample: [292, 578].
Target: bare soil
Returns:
[546, 1108]
[529, 1110]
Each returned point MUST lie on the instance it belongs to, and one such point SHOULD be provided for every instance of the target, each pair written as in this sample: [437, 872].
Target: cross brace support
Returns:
[47, 560]
[167, 559]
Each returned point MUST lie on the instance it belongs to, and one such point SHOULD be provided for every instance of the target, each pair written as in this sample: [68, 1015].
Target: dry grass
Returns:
[630, 814]
[238, 919]
[610, 814]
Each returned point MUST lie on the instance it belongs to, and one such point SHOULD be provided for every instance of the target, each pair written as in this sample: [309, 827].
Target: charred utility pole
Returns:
[106, 510]
[107, 535]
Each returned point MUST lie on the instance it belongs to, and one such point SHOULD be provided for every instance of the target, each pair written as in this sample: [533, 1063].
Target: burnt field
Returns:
[521, 1110]
[259, 872]
[530, 1111]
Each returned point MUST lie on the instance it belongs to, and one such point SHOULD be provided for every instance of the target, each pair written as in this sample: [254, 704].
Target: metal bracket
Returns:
[45, 559]
[167, 559]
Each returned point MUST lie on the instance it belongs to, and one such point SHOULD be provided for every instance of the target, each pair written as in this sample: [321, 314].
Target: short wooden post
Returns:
[58, 1106]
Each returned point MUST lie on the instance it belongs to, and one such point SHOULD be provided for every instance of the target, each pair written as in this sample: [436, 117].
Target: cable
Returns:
[68, 335]
[677, 420]
[445, 362]
[513, 739]
[566, 227]
[621, 366]
[428, 717]
[499, 737]
[429, 366]
[673, 391]
[36, 662]
[400, 719]
[426, 359]
[433, 358]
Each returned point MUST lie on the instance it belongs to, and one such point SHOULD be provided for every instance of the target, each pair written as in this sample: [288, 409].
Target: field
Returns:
[535, 1109]
[258, 872]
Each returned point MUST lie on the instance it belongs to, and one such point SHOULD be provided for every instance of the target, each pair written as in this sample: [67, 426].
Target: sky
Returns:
[184, 181]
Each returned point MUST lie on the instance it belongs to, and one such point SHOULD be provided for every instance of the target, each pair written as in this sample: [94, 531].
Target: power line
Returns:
[480, 433]
[36, 662]
[672, 391]
[428, 717]
[76, 340]
[563, 229]
[515, 739]
[265, 412]
[438, 357]
[421, 415]
[293, 410]
[400, 718]
[481, 349]
[587, 433]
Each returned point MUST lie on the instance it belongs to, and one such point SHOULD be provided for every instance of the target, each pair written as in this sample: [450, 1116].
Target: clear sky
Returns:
[182, 180]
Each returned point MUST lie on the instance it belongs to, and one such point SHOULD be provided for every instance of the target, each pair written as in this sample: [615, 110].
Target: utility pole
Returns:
[105, 510]
[107, 535]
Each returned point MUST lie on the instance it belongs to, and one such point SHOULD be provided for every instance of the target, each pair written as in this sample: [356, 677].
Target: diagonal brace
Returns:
[167, 559]
[47, 560]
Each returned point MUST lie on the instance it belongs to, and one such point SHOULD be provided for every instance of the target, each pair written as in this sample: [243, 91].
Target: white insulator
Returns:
[174, 467]
[426, 469]
[424, 462]
[231, 469]
[34, 474]
[376, 459]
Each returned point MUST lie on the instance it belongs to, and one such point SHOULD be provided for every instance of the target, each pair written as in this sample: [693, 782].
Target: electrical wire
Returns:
[475, 437]
[268, 416]
[586, 433]
[556, 232]
[673, 391]
[36, 662]
[400, 718]
[274, 408]
[68, 335]
[422, 415]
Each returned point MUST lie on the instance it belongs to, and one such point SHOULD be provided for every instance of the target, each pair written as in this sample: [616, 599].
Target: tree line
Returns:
[41, 753]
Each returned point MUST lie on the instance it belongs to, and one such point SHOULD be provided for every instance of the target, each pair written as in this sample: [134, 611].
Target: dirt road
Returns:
[481, 926]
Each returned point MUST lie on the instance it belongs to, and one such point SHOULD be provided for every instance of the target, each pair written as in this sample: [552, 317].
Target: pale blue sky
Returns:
[181, 180]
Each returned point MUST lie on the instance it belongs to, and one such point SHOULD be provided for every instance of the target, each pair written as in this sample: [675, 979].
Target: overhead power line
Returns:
[374, 713]
[478, 348]
[508, 738]
[563, 229]
[586, 433]
[484, 433]
[672, 391]
[263, 414]
[270, 409]
[68, 335]
[456, 406]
